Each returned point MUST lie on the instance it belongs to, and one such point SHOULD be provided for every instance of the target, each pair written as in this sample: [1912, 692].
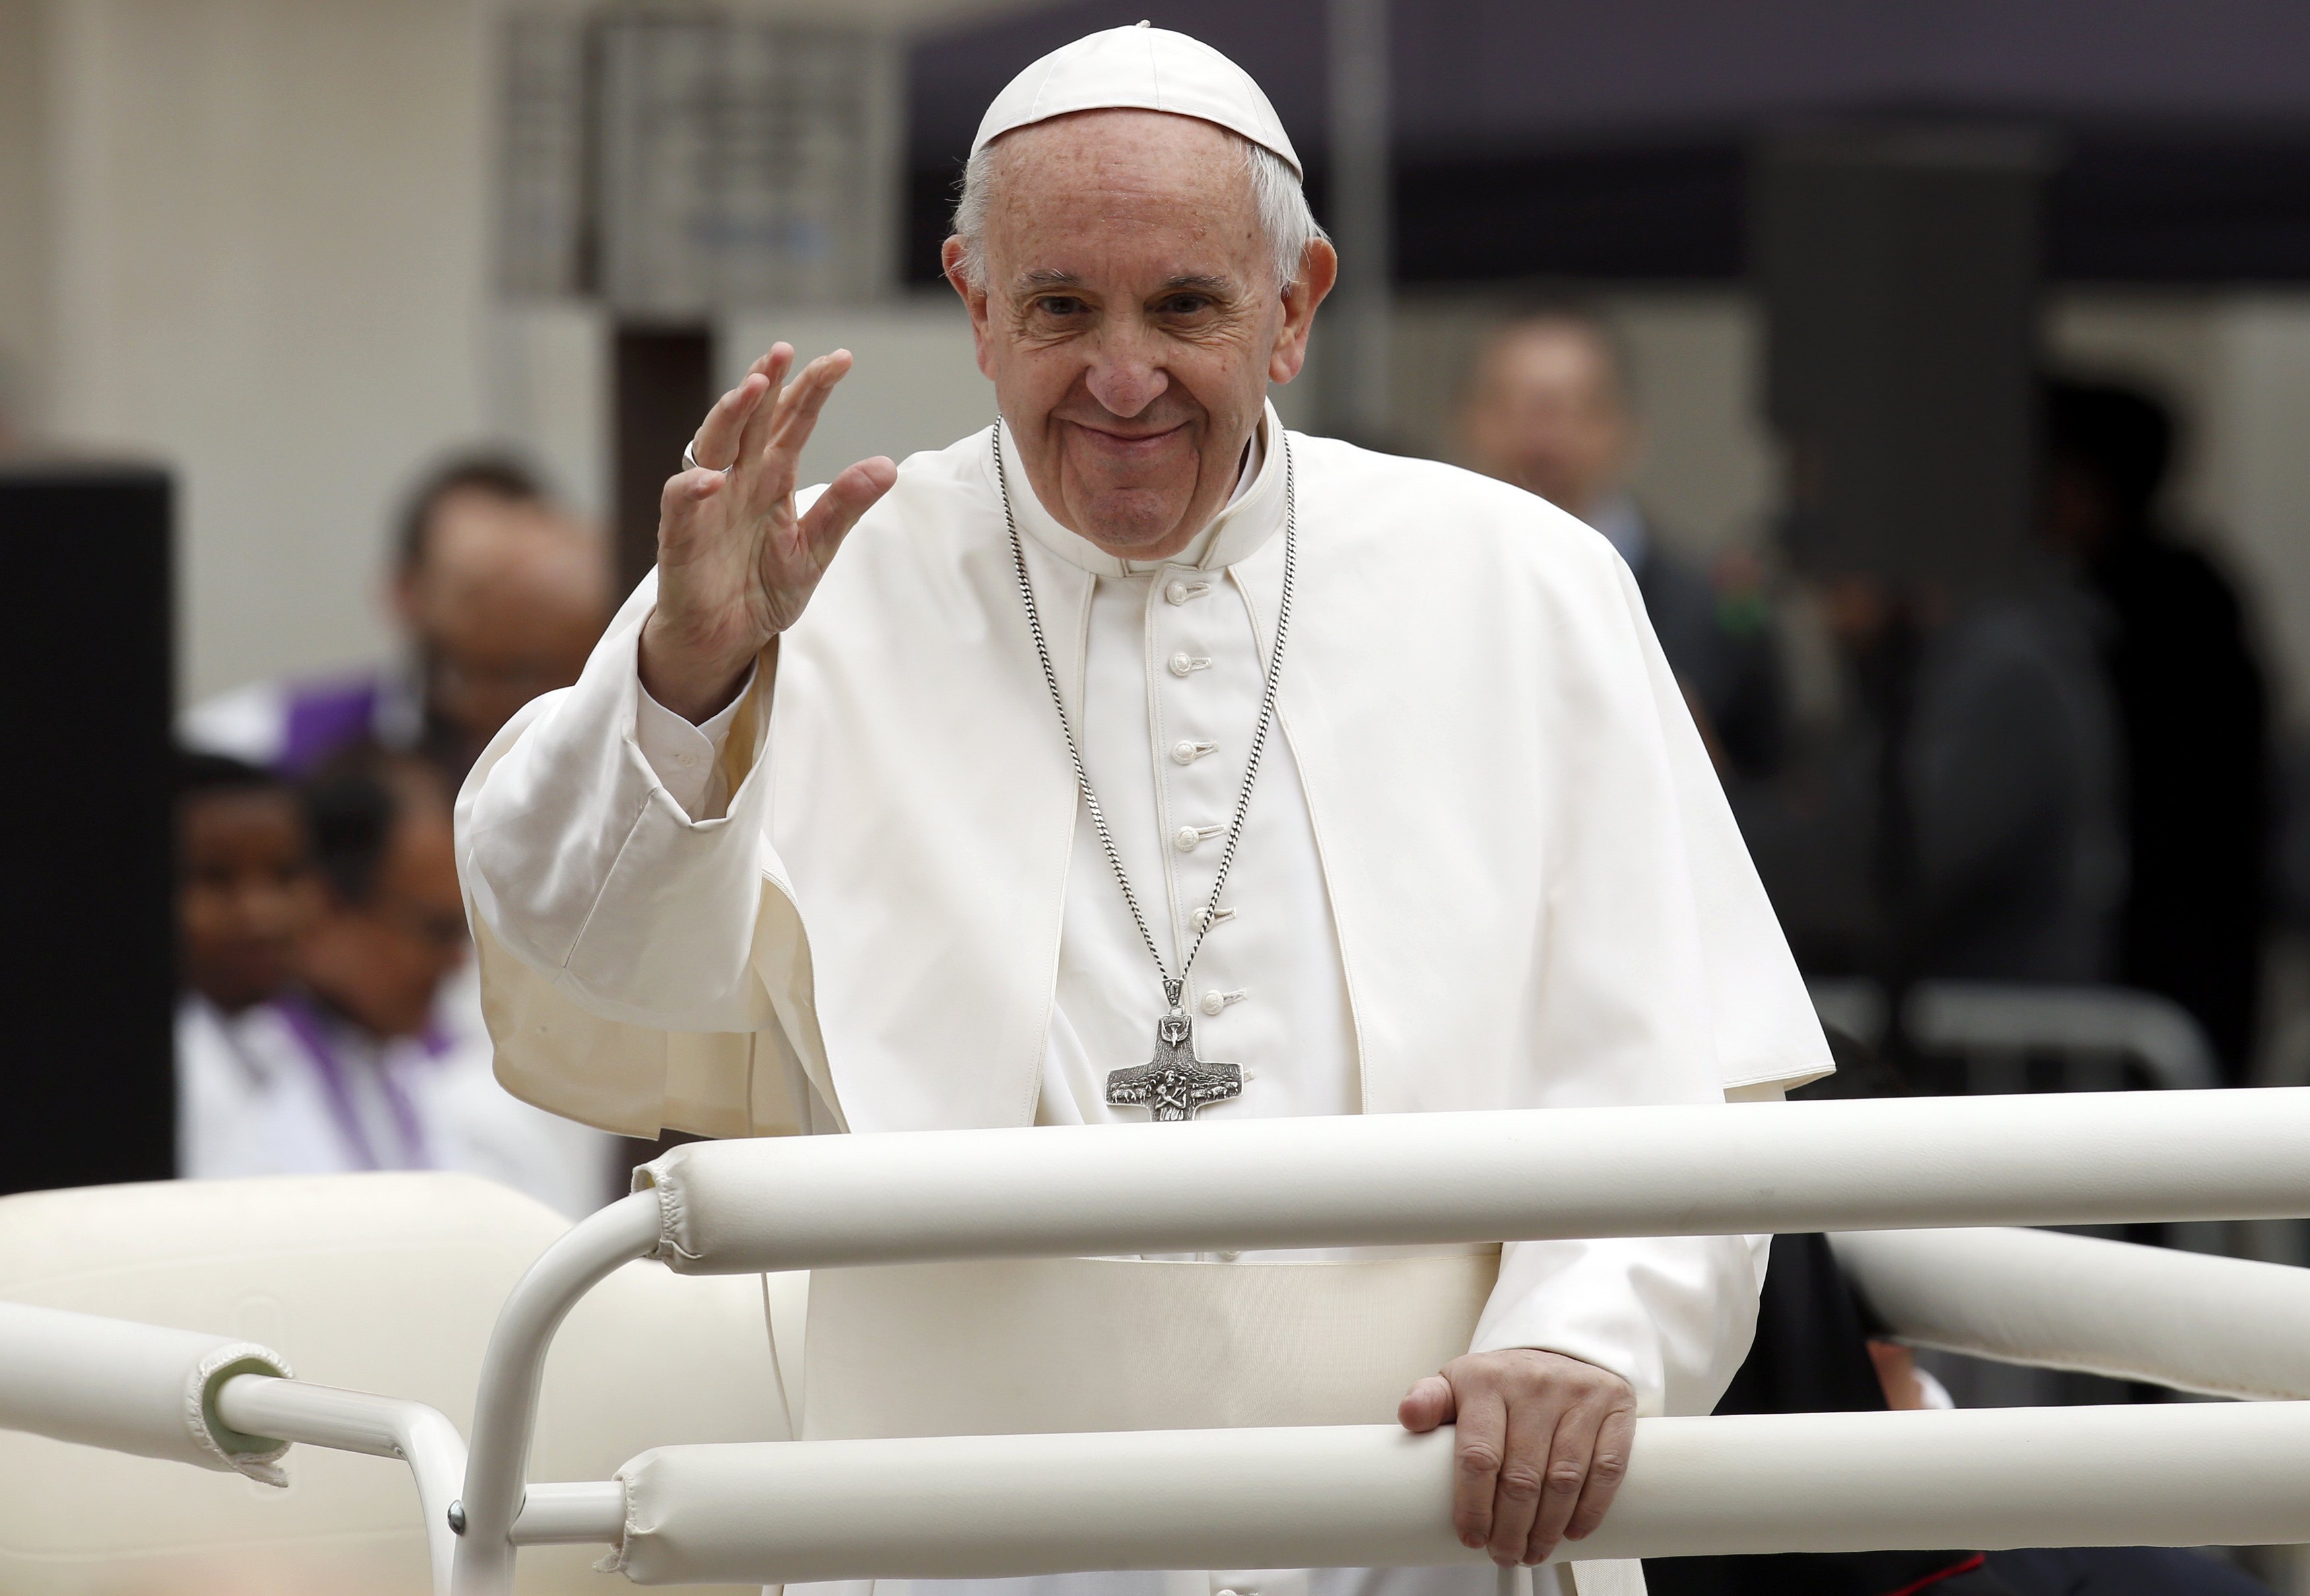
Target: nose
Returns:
[1124, 377]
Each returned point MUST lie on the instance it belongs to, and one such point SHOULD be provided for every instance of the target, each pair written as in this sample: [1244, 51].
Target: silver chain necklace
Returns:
[1175, 1083]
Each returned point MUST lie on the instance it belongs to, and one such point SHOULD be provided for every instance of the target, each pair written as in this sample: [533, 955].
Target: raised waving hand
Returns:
[735, 564]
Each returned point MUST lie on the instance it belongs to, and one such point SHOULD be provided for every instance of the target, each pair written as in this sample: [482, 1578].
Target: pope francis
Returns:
[1136, 757]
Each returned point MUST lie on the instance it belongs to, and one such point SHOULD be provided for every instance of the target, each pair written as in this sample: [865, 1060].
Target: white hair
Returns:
[1275, 191]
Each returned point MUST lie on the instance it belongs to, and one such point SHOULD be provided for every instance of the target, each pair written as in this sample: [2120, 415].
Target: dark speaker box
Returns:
[1900, 275]
[88, 984]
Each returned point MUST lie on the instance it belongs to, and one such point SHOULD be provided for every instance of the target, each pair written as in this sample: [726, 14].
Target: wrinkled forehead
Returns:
[1097, 190]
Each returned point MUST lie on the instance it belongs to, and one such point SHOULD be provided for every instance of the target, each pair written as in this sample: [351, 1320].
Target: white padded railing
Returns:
[135, 1388]
[991, 1505]
[2185, 1474]
[2217, 1326]
[734, 1207]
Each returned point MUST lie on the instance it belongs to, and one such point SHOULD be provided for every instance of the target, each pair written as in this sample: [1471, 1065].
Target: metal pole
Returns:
[505, 1411]
[356, 1421]
[1358, 384]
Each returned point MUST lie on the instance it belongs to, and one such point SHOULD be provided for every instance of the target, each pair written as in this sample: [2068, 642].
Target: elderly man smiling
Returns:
[1135, 756]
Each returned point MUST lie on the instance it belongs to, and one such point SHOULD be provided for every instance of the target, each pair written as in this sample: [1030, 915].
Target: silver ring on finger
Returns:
[690, 459]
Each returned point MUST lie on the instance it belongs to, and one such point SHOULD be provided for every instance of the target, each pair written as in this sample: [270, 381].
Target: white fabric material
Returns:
[1505, 850]
[1141, 68]
[2217, 1326]
[250, 722]
[1027, 1346]
[252, 1099]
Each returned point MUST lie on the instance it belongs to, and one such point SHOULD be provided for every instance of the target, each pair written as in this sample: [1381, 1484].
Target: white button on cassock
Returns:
[1184, 664]
[1186, 836]
[1188, 751]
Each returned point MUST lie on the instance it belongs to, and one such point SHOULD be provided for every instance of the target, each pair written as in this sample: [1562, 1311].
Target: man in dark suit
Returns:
[1549, 409]
[2191, 703]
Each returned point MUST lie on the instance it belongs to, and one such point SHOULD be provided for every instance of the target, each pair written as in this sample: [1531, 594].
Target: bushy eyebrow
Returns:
[1044, 277]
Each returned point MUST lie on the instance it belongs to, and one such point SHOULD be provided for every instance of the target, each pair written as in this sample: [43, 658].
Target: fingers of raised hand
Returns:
[846, 497]
[775, 435]
[716, 445]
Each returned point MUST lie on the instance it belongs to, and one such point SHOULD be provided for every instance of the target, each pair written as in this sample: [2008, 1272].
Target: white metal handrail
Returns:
[1990, 1019]
[2229, 1327]
[1016, 1505]
[987, 1506]
[745, 1206]
[2154, 1032]
[294, 1412]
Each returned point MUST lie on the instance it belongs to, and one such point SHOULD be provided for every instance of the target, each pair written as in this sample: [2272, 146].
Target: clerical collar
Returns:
[1249, 518]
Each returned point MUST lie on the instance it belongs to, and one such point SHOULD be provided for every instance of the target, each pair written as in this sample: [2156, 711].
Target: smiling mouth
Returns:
[1132, 443]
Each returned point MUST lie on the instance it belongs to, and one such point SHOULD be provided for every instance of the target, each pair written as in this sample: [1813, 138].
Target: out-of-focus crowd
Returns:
[330, 1014]
[2076, 764]
[2060, 779]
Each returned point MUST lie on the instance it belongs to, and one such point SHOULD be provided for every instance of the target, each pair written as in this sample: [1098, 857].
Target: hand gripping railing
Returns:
[1022, 1505]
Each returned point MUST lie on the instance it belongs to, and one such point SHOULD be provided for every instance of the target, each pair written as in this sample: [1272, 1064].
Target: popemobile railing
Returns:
[985, 1506]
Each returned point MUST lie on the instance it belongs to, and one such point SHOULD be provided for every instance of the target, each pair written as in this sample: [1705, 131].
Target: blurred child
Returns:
[362, 1062]
[245, 893]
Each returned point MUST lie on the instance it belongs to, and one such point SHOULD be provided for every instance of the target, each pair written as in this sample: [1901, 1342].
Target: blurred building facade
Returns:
[259, 241]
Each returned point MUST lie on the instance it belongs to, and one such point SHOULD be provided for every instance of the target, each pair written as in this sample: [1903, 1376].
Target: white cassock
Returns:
[1487, 864]
[285, 1087]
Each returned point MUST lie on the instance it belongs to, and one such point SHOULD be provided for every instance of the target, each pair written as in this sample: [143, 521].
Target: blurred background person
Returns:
[246, 892]
[1549, 407]
[361, 1061]
[1962, 819]
[499, 593]
[2191, 706]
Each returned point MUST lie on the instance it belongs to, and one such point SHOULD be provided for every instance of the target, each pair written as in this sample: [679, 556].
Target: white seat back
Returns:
[386, 1283]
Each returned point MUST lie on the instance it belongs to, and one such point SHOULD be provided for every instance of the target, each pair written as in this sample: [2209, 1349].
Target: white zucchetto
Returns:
[1143, 68]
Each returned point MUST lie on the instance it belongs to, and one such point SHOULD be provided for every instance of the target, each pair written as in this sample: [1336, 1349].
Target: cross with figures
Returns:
[1175, 1083]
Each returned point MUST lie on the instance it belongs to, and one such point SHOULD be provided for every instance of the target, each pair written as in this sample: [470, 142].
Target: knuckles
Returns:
[1522, 1485]
[1474, 1458]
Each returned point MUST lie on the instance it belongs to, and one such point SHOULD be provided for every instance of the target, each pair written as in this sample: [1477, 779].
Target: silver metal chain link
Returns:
[1173, 986]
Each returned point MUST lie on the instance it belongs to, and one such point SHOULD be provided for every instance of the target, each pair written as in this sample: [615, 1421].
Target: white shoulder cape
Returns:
[1540, 895]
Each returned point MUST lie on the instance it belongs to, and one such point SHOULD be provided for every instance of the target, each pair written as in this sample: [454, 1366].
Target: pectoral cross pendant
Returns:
[1175, 1083]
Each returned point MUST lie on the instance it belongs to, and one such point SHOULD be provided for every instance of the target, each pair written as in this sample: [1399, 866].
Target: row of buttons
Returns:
[1187, 838]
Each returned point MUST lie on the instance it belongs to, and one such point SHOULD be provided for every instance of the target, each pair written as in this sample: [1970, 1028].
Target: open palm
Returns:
[735, 563]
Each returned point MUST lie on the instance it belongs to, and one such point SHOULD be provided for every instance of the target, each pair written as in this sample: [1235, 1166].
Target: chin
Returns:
[1130, 520]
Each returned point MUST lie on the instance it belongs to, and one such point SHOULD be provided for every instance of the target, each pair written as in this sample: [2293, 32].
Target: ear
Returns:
[974, 299]
[1319, 268]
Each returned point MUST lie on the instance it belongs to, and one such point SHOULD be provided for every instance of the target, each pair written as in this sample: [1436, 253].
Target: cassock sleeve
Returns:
[623, 943]
[1674, 1316]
